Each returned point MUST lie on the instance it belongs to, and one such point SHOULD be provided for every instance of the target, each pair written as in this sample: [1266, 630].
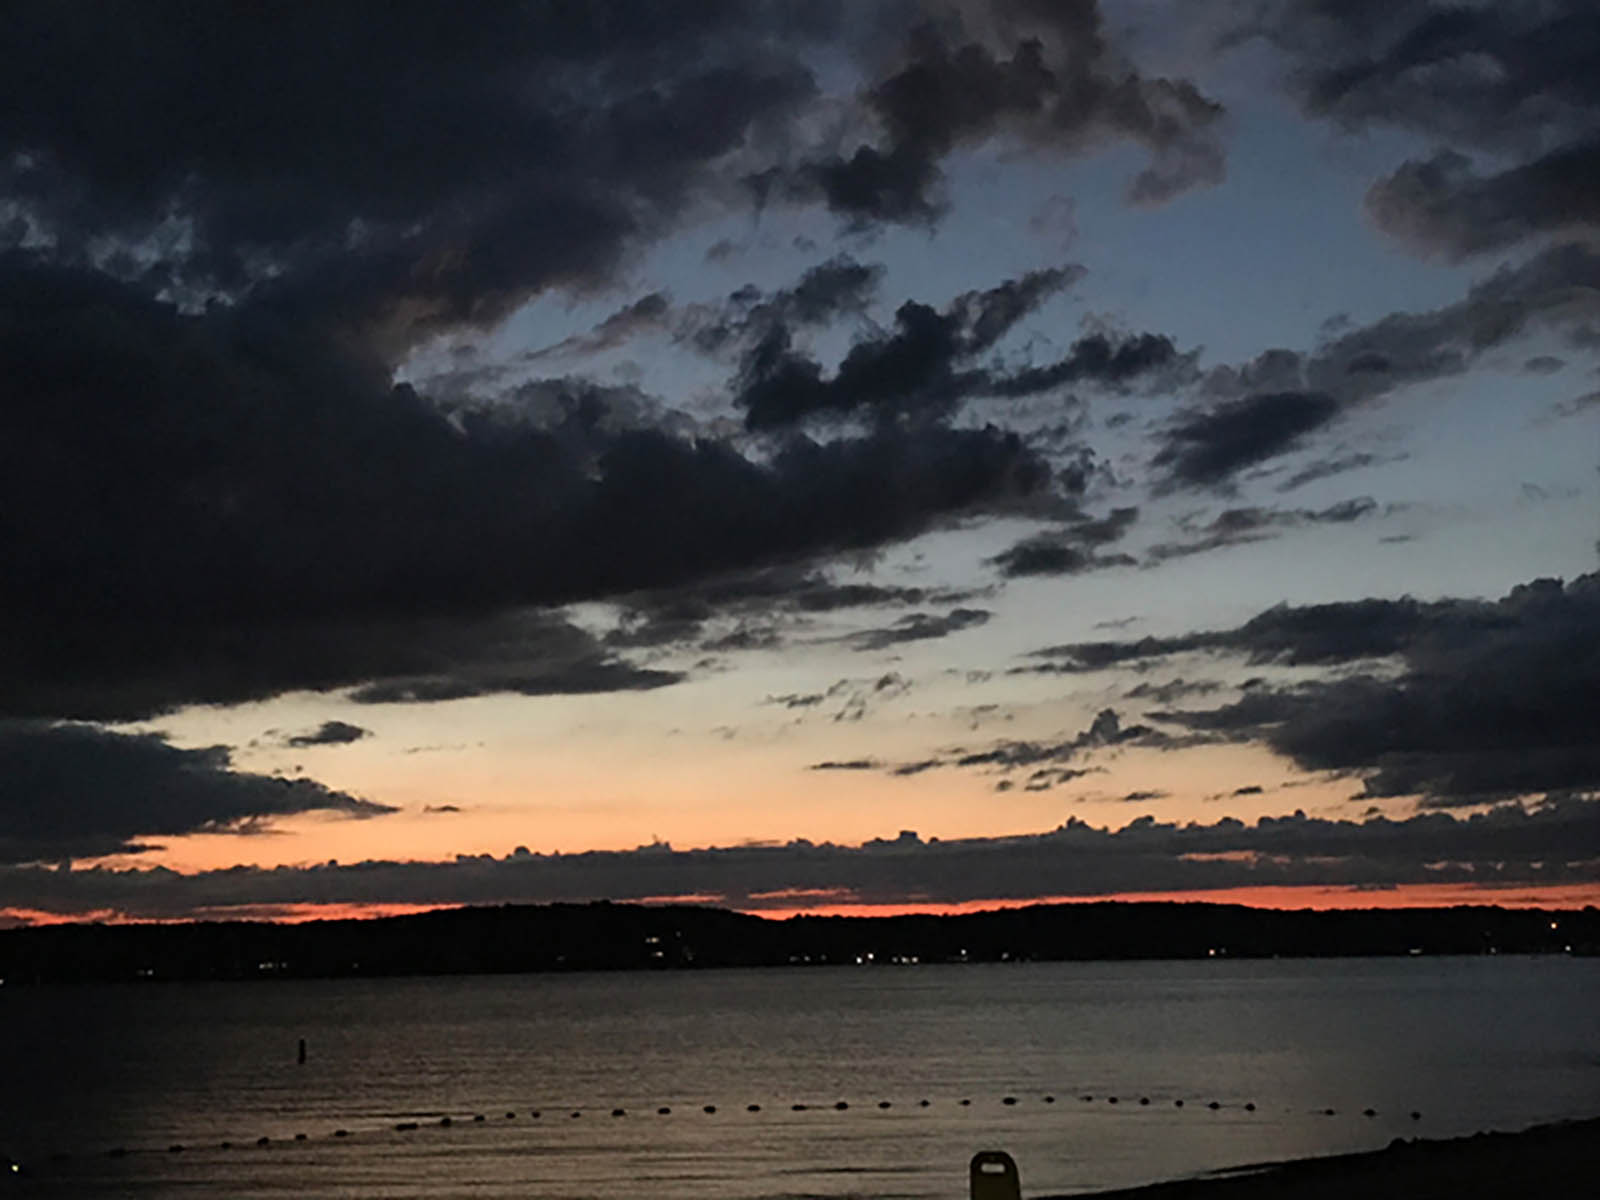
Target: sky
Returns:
[800, 456]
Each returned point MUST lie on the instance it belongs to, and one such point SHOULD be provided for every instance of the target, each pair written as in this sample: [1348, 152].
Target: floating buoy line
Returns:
[541, 1115]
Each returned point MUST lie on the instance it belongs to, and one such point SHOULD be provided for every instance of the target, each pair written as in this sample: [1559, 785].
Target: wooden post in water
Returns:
[994, 1176]
[302, 1058]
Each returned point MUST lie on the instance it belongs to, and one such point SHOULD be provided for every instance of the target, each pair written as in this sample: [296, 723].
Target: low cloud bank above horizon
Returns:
[1552, 842]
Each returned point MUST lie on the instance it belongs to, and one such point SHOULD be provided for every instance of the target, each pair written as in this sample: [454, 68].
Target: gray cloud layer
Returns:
[1554, 842]
[1514, 81]
[1280, 400]
[1056, 85]
[74, 791]
[210, 508]
[1492, 698]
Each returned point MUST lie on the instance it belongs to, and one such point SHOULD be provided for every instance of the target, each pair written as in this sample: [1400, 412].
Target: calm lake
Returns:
[1469, 1043]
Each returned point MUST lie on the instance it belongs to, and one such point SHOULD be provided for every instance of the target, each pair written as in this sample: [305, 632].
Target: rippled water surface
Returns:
[89, 1071]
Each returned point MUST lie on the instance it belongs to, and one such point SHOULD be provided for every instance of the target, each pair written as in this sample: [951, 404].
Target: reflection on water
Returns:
[1471, 1043]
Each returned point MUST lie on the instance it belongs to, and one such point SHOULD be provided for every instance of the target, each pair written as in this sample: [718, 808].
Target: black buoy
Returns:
[533, 1114]
[1177, 1104]
[883, 1104]
[263, 1140]
[1111, 1099]
[1087, 1099]
[924, 1103]
[511, 1116]
[708, 1109]
[619, 1112]
[841, 1105]
[965, 1102]
[1144, 1099]
[175, 1148]
[341, 1133]
[1416, 1116]
[479, 1117]
[445, 1122]
[299, 1137]
[1213, 1106]
[576, 1114]
[1049, 1099]
[1327, 1112]
[1369, 1112]
[302, 1056]
[1008, 1100]
[797, 1107]
[663, 1111]
[403, 1127]
[225, 1146]
[752, 1108]
[1250, 1106]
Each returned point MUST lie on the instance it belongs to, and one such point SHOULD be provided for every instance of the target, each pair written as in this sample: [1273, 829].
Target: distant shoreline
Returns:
[1542, 1161]
[602, 936]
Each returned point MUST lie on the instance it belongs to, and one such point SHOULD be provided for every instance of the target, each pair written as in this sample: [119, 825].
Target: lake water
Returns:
[1470, 1043]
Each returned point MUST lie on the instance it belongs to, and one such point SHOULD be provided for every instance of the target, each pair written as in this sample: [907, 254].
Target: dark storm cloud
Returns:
[1515, 81]
[1095, 358]
[1054, 84]
[329, 733]
[1070, 549]
[1277, 401]
[1049, 761]
[1173, 689]
[914, 370]
[1499, 76]
[1208, 448]
[74, 791]
[1045, 554]
[1240, 526]
[219, 507]
[1577, 405]
[1442, 205]
[988, 315]
[646, 314]
[838, 287]
[919, 627]
[1301, 635]
[927, 364]
[345, 184]
[1490, 699]
[1557, 289]
[490, 674]
[765, 607]
[1336, 464]
[1553, 842]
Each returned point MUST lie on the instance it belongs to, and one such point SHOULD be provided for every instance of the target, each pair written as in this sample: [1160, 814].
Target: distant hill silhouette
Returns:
[606, 936]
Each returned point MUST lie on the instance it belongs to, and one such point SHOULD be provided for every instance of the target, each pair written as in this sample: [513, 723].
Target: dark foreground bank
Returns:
[1545, 1161]
[603, 936]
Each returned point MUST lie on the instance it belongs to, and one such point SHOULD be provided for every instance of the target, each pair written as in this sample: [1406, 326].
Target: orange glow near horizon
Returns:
[1551, 896]
[279, 914]
[1420, 895]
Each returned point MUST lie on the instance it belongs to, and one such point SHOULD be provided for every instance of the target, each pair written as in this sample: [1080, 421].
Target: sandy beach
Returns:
[1547, 1160]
